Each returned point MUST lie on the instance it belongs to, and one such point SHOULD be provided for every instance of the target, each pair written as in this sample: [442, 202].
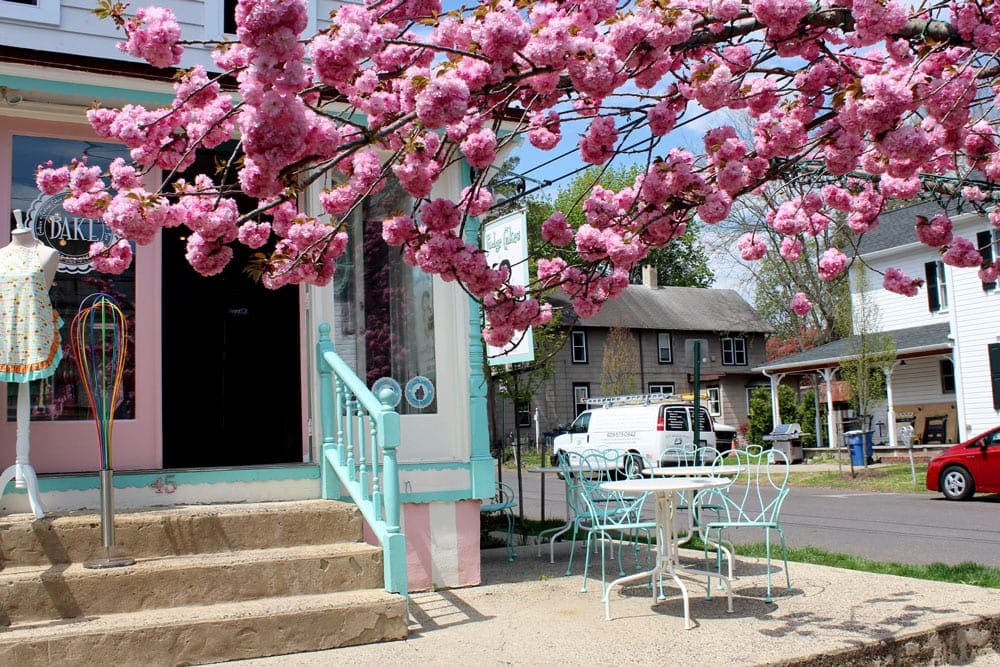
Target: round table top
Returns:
[664, 484]
[692, 471]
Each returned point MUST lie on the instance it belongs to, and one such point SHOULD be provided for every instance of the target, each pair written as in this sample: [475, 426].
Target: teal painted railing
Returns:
[358, 459]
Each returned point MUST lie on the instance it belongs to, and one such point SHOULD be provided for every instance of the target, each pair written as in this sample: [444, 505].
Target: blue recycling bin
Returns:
[859, 444]
[855, 441]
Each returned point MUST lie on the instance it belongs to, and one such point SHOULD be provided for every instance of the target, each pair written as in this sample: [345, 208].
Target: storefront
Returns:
[220, 382]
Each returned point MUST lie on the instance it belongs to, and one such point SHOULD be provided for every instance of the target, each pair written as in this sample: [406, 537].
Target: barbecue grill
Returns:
[787, 439]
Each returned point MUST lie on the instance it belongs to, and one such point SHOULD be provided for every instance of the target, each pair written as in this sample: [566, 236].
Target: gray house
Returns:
[661, 320]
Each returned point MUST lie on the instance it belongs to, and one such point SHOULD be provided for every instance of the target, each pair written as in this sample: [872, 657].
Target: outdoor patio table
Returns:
[558, 530]
[667, 542]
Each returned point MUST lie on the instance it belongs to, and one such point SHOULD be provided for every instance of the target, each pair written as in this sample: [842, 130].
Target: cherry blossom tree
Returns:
[884, 100]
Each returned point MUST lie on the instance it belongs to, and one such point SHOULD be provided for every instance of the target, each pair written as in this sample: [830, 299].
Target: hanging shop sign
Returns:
[505, 241]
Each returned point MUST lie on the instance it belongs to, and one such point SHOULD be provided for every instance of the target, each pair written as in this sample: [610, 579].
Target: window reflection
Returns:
[61, 397]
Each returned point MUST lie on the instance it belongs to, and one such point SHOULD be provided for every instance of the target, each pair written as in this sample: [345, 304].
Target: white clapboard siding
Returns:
[976, 325]
[80, 31]
[896, 311]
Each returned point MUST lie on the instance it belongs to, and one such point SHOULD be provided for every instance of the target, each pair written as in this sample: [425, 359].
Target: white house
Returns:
[946, 378]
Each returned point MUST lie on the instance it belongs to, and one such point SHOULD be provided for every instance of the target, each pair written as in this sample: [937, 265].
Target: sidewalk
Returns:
[529, 613]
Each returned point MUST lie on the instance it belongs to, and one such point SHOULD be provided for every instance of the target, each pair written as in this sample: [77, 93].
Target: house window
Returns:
[947, 369]
[36, 11]
[661, 388]
[664, 352]
[524, 416]
[988, 243]
[579, 346]
[734, 351]
[994, 354]
[581, 392]
[937, 292]
[715, 401]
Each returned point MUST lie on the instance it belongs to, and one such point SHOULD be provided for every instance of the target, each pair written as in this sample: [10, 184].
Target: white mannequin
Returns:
[21, 472]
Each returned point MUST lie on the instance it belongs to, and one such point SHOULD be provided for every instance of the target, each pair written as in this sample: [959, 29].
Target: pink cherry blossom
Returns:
[897, 281]
[962, 253]
[935, 232]
[153, 35]
[800, 304]
[114, 260]
[751, 246]
[831, 264]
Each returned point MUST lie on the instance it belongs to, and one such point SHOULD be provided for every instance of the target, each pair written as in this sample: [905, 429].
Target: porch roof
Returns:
[912, 342]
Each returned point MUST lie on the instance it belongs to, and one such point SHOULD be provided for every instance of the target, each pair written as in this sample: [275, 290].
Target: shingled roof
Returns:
[909, 342]
[679, 309]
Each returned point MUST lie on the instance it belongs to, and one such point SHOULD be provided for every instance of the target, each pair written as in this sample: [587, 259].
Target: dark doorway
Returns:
[231, 366]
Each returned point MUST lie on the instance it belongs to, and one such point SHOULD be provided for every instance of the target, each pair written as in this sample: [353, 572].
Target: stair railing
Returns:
[360, 438]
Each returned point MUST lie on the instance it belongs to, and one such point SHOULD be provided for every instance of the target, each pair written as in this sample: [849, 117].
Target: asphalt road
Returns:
[917, 528]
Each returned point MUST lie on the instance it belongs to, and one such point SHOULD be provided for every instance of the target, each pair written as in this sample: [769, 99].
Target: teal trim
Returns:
[360, 435]
[480, 462]
[139, 479]
[97, 92]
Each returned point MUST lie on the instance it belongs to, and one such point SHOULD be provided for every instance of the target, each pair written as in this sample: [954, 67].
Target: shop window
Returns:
[62, 397]
[36, 11]
[579, 346]
[664, 350]
[937, 287]
[384, 309]
[734, 351]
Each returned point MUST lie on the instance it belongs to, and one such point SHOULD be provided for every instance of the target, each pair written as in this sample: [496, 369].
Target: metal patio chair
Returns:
[753, 499]
[611, 518]
[503, 504]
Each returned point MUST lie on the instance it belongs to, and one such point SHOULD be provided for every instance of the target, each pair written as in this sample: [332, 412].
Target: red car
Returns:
[970, 467]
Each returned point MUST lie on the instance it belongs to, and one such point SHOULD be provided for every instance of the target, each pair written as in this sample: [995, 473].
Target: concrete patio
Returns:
[529, 613]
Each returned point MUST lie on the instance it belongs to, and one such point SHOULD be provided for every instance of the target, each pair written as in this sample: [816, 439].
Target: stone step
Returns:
[150, 533]
[211, 633]
[32, 593]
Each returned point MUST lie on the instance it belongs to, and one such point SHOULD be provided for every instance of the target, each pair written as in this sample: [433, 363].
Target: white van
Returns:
[650, 425]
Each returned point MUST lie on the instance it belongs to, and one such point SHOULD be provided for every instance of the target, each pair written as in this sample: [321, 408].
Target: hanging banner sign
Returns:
[505, 241]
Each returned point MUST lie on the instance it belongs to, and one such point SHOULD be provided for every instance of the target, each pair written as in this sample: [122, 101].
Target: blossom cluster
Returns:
[872, 97]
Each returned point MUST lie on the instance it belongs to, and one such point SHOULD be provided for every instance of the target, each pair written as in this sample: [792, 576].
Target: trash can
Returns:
[869, 447]
[855, 441]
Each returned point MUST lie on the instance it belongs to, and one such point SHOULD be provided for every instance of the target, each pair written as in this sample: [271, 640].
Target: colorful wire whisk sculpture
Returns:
[99, 340]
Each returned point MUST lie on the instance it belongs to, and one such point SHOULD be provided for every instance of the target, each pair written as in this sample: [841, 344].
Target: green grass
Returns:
[893, 478]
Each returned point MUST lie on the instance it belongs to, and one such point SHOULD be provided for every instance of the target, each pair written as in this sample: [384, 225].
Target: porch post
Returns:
[819, 431]
[828, 374]
[775, 409]
[891, 410]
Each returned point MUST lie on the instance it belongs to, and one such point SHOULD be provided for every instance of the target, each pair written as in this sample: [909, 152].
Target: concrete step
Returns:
[33, 593]
[210, 633]
[151, 533]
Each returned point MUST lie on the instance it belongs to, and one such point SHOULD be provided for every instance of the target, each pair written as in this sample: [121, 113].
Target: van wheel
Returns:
[632, 465]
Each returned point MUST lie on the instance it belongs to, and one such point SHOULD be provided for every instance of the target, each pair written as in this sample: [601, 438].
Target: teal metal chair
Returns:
[502, 504]
[753, 499]
[608, 517]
